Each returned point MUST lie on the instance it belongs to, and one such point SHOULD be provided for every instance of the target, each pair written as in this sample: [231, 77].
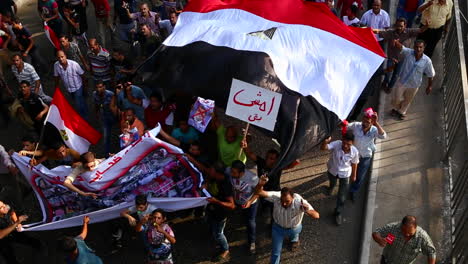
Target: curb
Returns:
[366, 234]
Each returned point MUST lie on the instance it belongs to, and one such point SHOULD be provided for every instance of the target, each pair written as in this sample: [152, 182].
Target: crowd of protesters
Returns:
[100, 80]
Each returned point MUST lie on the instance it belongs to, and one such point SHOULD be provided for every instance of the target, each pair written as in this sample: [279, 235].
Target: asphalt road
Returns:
[321, 240]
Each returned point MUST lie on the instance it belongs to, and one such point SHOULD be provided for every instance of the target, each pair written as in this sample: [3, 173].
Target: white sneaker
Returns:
[252, 248]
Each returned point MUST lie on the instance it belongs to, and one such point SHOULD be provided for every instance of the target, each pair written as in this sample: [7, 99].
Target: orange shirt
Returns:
[136, 123]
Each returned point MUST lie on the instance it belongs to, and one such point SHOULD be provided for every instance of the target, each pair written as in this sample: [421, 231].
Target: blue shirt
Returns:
[85, 254]
[365, 142]
[124, 103]
[186, 138]
[103, 104]
[411, 71]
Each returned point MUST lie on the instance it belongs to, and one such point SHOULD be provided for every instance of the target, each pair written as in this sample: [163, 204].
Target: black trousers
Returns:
[382, 260]
[7, 246]
[431, 36]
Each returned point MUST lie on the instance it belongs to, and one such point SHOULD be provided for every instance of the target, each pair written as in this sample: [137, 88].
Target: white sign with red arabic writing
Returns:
[253, 104]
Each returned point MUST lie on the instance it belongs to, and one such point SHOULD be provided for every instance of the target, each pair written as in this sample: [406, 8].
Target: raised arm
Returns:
[325, 143]
[84, 231]
[248, 151]
[425, 6]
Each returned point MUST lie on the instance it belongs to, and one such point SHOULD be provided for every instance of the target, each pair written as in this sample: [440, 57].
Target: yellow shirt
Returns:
[437, 15]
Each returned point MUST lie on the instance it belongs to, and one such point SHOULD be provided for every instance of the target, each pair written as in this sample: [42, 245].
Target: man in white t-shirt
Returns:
[342, 166]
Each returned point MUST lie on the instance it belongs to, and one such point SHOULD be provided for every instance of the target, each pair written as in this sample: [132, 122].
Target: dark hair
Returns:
[157, 96]
[418, 41]
[87, 157]
[119, 51]
[348, 136]
[25, 82]
[130, 109]
[67, 244]
[30, 138]
[274, 152]
[99, 82]
[141, 199]
[354, 9]
[56, 145]
[401, 19]
[16, 55]
[287, 190]
[161, 211]
[409, 220]
[195, 143]
[144, 25]
[16, 20]
[238, 165]
[64, 36]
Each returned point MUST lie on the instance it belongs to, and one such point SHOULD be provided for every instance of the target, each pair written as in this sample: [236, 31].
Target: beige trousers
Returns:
[402, 97]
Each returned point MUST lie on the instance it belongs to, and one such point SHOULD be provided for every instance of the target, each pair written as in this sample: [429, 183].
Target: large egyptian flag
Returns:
[75, 132]
[293, 47]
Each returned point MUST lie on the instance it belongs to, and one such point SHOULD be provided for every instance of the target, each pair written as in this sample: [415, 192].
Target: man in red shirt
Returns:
[157, 112]
[102, 11]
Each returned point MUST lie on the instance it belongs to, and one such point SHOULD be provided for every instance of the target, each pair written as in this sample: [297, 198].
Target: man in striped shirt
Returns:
[71, 75]
[288, 211]
[25, 72]
[99, 62]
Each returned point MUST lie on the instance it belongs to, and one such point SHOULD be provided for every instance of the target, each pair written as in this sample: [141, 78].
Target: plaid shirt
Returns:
[402, 251]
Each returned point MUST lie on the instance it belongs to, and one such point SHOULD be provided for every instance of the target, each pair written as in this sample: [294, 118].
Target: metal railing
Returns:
[455, 89]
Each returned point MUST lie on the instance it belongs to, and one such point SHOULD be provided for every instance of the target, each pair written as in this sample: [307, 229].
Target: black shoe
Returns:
[116, 246]
[338, 219]
[394, 113]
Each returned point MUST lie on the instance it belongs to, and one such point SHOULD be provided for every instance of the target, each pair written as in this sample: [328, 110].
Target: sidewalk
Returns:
[408, 176]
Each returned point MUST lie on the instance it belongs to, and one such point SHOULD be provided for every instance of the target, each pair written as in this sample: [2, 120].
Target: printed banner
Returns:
[201, 114]
[253, 104]
[150, 166]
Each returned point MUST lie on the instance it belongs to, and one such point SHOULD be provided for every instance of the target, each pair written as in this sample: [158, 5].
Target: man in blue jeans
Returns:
[288, 211]
[342, 167]
[72, 76]
[365, 133]
[243, 185]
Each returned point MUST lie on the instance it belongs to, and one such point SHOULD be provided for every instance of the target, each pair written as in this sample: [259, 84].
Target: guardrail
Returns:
[455, 89]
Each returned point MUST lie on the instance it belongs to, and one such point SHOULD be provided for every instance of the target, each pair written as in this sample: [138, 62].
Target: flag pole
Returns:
[245, 136]
[40, 137]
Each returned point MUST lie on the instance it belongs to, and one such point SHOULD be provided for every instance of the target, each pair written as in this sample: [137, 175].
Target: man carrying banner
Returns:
[88, 163]
[58, 152]
[76, 249]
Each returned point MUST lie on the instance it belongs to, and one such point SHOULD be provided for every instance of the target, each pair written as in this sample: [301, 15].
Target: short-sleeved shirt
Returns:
[23, 36]
[47, 8]
[100, 64]
[79, 170]
[124, 103]
[85, 254]
[150, 20]
[379, 21]
[364, 142]
[412, 70]
[187, 138]
[71, 76]
[73, 53]
[273, 183]
[221, 190]
[103, 104]
[402, 251]
[158, 247]
[349, 22]
[437, 15]
[167, 25]
[288, 217]
[393, 52]
[28, 74]
[340, 162]
[243, 187]
[229, 152]
[101, 8]
[140, 214]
